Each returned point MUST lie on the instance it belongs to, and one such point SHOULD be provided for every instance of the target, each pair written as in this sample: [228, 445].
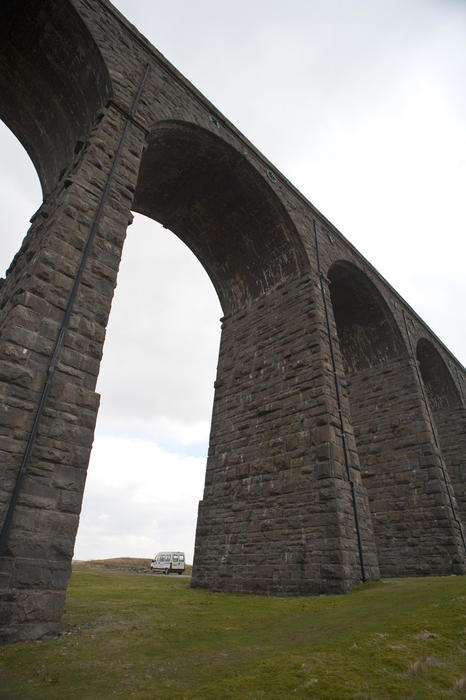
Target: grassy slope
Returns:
[153, 637]
[120, 563]
[133, 564]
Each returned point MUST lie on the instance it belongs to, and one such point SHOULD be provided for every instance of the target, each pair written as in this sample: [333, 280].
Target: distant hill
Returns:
[134, 564]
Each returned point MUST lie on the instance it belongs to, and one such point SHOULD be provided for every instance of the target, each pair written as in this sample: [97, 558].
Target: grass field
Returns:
[129, 635]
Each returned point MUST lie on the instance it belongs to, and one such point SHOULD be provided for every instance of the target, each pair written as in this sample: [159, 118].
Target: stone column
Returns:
[451, 427]
[277, 516]
[402, 470]
[36, 564]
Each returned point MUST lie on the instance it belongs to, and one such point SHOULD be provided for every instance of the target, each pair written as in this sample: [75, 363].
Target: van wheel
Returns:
[179, 573]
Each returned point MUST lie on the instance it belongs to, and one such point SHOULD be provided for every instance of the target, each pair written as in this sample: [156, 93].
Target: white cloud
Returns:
[20, 195]
[161, 353]
[139, 500]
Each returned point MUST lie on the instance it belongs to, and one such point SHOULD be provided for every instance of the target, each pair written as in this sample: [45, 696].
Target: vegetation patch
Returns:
[116, 564]
[130, 564]
[140, 636]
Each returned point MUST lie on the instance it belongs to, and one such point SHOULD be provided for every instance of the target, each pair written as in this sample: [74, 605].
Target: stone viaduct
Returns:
[338, 432]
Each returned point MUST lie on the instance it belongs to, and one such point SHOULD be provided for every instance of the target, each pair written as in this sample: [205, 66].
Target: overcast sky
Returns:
[361, 104]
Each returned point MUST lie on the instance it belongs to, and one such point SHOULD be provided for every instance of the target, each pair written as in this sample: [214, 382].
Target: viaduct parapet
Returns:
[337, 449]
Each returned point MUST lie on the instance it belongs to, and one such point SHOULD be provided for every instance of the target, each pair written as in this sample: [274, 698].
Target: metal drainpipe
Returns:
[434, 430]
[340, 411]
[59, 342]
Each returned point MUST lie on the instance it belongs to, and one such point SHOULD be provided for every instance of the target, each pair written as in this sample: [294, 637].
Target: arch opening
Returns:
[448, 414]
[20, 195]
[156, 385]
[211, 197]
[53, 81]
[440, 387]
[366, 328]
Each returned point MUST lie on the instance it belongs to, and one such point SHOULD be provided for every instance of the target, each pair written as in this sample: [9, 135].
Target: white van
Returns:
[168, 562]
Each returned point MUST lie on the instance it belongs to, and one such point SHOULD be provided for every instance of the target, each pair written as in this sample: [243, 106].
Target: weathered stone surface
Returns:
[338, 443]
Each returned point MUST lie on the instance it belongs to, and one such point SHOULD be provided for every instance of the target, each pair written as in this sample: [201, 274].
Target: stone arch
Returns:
[449, 416]
[366, 328]
[387, 413]
[53, 82]
[210, 196]
[440, 387]
[275, 515]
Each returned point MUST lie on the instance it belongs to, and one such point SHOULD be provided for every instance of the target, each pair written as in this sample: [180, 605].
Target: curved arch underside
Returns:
[53, 81]
[440, 388]
[449, 416]
[367, 331]
[207, 193]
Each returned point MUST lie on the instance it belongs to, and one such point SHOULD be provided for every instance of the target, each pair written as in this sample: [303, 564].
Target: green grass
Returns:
[140, 636]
